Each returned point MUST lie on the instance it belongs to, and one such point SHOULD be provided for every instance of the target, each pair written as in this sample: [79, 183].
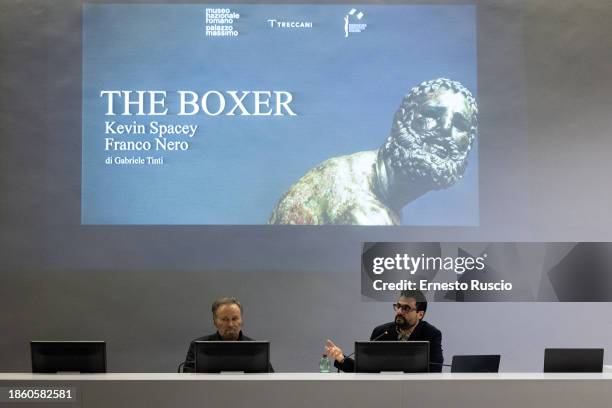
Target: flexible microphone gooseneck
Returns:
[374, 339]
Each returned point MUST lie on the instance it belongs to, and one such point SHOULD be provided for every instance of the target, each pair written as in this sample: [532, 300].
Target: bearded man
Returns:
[432, 134]
[408, 325]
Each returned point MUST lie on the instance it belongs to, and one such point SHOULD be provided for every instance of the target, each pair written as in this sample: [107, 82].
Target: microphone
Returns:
[374, 339]
[379, 336]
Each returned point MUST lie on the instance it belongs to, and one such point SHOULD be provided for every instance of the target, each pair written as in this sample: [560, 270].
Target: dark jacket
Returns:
[422, 332]
[189, 366]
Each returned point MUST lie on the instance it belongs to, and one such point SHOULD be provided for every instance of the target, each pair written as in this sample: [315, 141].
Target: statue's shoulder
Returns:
[337, 191]
[352, 168]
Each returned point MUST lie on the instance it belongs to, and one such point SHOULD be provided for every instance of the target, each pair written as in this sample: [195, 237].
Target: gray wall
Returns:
[544, 94]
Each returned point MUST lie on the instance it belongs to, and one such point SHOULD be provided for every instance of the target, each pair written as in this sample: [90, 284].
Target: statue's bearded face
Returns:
[432, 134]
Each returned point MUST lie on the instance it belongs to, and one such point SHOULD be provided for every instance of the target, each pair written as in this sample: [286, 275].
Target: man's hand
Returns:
[334, 351]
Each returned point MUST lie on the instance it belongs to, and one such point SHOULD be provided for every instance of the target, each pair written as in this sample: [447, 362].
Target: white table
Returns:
[313, 390]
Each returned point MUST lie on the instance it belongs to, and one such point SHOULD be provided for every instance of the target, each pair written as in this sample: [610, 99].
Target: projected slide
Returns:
[280, 114]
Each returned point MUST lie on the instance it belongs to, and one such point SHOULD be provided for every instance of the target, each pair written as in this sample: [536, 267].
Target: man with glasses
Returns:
[227, 318]
[408, 325]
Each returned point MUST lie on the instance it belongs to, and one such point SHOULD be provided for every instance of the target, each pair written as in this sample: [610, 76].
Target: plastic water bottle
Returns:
[324, 364]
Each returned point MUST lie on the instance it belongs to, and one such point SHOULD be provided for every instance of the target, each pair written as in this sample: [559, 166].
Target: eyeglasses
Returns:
[404, 308]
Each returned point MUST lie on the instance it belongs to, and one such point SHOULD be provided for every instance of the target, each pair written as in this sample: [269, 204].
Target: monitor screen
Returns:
[68, 356]
[380, 356]
[241, 356]
[573, 360]
[475, 364]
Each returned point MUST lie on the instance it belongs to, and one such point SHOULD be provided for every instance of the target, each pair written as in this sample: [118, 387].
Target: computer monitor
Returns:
[573, 360]
[227, 356]
[68, 356]
[483, 363]
[396, 356]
